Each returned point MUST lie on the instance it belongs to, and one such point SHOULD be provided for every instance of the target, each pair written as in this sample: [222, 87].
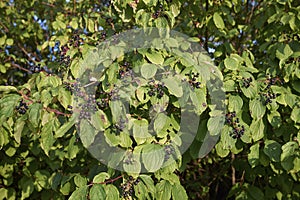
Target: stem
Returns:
[206, 31]
[108, 181]
[233, 170]
[24, 96]
[19, 67]
[5, 28]
[26, 53]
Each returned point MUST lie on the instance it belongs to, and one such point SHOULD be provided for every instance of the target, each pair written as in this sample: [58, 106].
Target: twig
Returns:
[233, 170]
[5, 28]
[27, 54]
[108, 181]
[57, 112]
[19, 67]
[206, 30]
[242, 178]
[24, 96]
[48, 4]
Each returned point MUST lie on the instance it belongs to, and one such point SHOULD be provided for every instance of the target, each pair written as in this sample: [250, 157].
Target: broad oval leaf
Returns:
[218, 21]
[153, 157]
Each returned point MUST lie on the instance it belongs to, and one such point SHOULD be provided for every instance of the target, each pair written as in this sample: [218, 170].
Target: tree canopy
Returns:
[53, 127]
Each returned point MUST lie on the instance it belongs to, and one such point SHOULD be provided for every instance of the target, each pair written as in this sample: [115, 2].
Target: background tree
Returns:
[254, 43]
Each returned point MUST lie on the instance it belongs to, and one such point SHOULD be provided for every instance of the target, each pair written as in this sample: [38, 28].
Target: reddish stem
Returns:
[108, 181]
[24, 96]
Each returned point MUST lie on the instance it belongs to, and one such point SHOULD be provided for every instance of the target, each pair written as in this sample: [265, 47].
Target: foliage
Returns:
[255, 44]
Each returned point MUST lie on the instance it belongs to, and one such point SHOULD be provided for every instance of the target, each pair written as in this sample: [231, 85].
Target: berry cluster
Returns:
[234, 122]
[103, 98]
[36, 68]
[247, 82]
[72, 87]
[193, 80]
[129, 160]
[169, 150]
[22, 107]
[269, 95]
[157, 12]
[119, 127]
[272, 81]
[103, 35]
[64, 58]
[70, 108]
[88, 107]
[127, 187]
[156, 89]
[76, 40]
[125, 71]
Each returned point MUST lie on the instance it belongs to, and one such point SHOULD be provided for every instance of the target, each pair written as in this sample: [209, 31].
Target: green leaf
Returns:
[73, 148]
[235, 103]
[174, 85]
[273, 150]
[141, 191]
[7, 88]
[18, 130]
[87, 133]
[111, 138]
[91, 25]
[257, 109]
[149, 183]
[198, 98]
[160, 121]
[65, 128]
[134, 167]
[80, 193]
[64, 97]
[178, 192]
[175, 9]
[141, 94]
[7, 104]
[112, 192]
[255, 193]
[153, 157]
[215, 125]
[140, 130]
[100, 121]
[148, 70]
[257, 128]
[125, 140]
[164, 190]
[35, 114]
[79, 180]
[47, 138]
[253, 156]
[288, 154]
[97, 192]
[117, 110]
[9, 41]
[274, 119]
[155, 57]
[150, 2]
[101, 177]
[27, 187]
[42, 178]
[162, 22]
[74, 23]
[284, 52]
[231, 63]
[295, 115]
[218, 21]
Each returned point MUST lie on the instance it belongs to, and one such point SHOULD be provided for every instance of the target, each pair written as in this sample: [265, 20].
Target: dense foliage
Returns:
[255, 44]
